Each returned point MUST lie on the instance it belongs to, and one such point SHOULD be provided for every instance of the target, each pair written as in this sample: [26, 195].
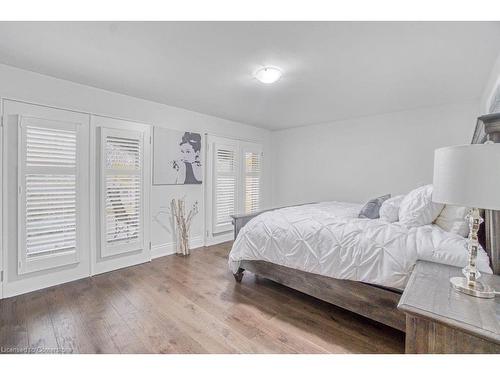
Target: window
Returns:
[252, 160]
[49, 194]
[225, 179]
[235, 170]
[122, 187]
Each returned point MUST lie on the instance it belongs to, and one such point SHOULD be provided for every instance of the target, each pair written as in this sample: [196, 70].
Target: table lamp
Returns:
[469, 176]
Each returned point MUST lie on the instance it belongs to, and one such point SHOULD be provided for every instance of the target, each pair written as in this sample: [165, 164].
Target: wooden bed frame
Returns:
[372, 301]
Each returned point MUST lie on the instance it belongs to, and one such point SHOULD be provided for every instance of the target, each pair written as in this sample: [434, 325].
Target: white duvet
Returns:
[328, 239]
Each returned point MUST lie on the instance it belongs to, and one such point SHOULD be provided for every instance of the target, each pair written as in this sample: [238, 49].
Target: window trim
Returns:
[212, 238]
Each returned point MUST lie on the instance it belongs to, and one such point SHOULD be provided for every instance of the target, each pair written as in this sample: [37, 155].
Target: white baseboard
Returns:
[22, 286]
[110, 264]
[169, 248]
[225, 237]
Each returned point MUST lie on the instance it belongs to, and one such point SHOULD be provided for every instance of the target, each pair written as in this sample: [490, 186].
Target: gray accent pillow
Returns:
[371, 209]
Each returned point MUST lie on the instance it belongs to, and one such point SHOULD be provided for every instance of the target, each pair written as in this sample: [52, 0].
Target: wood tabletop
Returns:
[429, 294]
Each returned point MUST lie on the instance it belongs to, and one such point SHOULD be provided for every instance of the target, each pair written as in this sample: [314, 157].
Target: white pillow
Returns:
[418, 209]
[390, 209]
[452, 219]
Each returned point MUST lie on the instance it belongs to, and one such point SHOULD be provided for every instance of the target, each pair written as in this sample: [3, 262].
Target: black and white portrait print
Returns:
[177, 157]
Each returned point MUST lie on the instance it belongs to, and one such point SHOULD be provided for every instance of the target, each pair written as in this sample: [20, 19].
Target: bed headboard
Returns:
[488, 129]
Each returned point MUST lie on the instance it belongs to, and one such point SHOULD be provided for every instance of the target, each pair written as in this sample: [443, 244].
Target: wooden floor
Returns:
[184, 305]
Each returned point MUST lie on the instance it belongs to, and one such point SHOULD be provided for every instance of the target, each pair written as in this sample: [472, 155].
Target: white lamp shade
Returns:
[468, 176]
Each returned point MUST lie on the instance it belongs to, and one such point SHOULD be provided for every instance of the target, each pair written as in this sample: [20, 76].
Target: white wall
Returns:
[39, 89]
[489, 88]
[360, 158]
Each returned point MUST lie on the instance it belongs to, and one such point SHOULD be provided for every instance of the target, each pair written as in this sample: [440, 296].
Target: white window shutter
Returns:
[252, 176]
[48, 194]
[122, 191]
[225, 170]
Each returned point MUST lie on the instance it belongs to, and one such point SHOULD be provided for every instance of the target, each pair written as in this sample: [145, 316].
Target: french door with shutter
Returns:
[46, 229]
[234, 186]
[63, 217]
[224, 176]
[123, 185]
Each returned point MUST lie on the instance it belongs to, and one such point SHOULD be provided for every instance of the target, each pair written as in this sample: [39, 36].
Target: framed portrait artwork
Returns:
[176, 157]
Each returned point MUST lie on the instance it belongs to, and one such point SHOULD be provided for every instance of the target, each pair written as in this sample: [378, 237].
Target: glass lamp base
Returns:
[478, 290]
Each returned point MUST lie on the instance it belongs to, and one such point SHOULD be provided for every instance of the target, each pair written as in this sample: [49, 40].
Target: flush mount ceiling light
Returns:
[268, 74]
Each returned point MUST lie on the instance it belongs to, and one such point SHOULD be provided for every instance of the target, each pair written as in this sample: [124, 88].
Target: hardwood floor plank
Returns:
[71, 336]
[13, 330]
[162, 333]
[36, 314]
[196, 322]
[100, 318]
[238, 316]
[315, 306]
[103, 296]
[186, 305]
[232, 316]
[370, 333]
[322, 334]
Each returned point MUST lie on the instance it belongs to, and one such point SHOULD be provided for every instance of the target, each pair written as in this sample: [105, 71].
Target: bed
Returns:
[324, 250]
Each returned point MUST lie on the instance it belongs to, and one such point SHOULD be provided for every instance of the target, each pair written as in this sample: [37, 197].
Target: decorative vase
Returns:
[182, 242]
[183, 224]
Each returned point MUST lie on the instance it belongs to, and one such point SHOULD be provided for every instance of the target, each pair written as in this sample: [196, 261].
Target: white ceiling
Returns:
[332, 70]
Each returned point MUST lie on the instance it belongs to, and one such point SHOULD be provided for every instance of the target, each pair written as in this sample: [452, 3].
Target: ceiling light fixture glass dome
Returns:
[268, 74]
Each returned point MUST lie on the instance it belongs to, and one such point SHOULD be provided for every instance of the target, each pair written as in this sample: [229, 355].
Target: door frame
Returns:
[15, 283]
[209, 237]
[212, 238]
[7, 290]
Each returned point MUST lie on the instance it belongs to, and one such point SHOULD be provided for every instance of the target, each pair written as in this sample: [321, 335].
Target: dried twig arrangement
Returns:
[183, 223]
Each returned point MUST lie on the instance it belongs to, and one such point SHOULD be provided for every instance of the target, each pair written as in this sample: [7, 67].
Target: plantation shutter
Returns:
[121, 191]
[49, 194]
[252, 168]
[225, 170]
